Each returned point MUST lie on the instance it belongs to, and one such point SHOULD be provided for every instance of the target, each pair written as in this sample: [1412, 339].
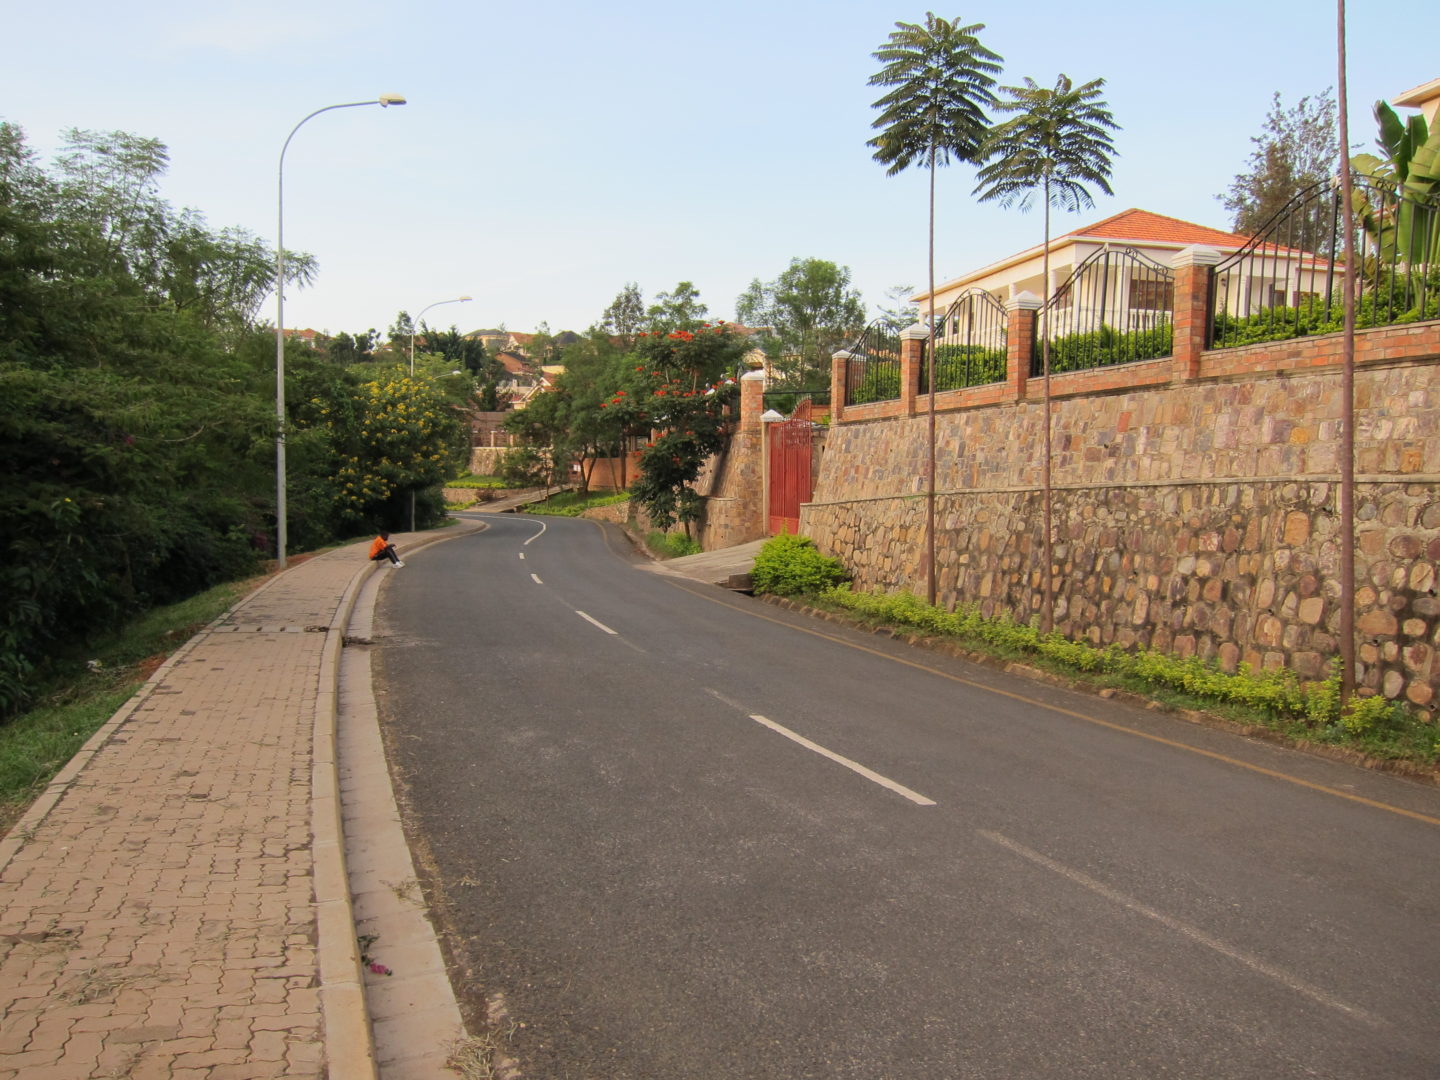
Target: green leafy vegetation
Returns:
[575, 503]
[1276, 699]
[959, 366]
[469, 480]
[810, 310]
[671, 545]
[678, 386]
[1393, 301]
[790, 565]
[881, 382]
[137, 437]
[1100, 348]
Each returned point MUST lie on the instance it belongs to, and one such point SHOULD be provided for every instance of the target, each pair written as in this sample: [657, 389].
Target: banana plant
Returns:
[1405, 227]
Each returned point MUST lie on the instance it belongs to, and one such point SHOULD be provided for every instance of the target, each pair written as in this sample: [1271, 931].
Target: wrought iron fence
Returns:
[786, 401]
[1118, 307]
[1289, 280]
[970, 343]
[873, 372]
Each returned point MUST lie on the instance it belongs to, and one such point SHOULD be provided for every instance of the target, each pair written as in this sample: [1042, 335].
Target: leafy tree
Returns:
[528, 466]
[396, 435]
[137, 432]
[570, 419]
[1296, 149]
[454, 349]
[110, 181]
[678, 310]
[1057, 141]
[625, 317]
[360, 348]
[902, 313]
[677, 387]
[940, 81]
[400, 333]
[811, 311]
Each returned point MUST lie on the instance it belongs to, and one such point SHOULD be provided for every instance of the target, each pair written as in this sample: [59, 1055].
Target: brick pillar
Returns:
[839, 368]
[1193, 268]
[752, 402]
[1020, 341]
[912, 357]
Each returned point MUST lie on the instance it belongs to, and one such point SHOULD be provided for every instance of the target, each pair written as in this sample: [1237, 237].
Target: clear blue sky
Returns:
[552, 152]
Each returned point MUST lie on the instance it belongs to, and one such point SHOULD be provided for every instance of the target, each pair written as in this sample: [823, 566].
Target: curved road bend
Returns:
[690, 835]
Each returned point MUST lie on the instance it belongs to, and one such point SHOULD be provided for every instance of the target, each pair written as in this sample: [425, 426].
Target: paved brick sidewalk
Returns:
[167, 906]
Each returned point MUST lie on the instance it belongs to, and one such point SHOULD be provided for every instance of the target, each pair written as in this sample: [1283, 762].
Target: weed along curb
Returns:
[1200, 717]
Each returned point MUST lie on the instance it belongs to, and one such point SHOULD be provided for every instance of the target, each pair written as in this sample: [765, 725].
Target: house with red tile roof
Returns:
[1153, 235]
[312, 338]
[1158, 239]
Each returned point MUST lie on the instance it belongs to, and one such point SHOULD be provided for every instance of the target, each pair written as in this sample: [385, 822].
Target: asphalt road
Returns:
[684, 834]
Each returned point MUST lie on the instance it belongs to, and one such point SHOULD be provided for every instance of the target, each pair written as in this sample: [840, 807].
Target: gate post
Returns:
[752, 401]
[912, 359]
[1193, 267]
[839, 377]
[1020, 341]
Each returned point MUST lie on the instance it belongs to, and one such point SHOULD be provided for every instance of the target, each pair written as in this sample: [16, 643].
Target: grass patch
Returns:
[573, 503]
[1277, 700]
[470, 480]
[671, 545]
[84, 690]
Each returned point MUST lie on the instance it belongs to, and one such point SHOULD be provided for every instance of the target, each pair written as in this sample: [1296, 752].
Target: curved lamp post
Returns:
[415, 323]
[281, 531]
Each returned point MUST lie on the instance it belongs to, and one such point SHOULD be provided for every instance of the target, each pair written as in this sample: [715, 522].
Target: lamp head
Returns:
[387, 100]
[463, 298]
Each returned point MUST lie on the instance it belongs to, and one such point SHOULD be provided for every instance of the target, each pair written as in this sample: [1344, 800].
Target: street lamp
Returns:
[415, 323]
[281, 531]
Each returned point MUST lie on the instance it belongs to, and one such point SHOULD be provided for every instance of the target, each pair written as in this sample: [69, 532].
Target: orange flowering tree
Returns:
[678, 387]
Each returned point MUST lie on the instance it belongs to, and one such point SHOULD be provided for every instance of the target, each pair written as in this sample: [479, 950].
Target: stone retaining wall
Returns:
[1196, 517]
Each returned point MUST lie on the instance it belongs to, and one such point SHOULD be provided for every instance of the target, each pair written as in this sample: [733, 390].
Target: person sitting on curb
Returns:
[381, 548]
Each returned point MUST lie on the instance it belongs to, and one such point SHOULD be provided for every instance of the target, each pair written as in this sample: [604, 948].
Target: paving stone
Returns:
[178, 848]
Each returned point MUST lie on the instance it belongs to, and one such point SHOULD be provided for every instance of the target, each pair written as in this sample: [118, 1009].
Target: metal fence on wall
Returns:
[970, 343]
[1118, 307]
[873, 372]
[1288, 281]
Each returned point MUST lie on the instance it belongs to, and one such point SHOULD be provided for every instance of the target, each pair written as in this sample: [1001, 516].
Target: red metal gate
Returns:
[789, 449]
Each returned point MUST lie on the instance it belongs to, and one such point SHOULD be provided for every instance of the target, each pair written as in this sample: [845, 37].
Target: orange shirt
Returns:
[378, 546]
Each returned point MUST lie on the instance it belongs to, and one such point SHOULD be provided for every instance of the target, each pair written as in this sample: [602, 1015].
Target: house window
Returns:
[1151, 293]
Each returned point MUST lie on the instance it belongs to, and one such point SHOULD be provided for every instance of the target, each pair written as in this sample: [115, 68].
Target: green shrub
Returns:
[469, 480]
[959, 366]
[525, 466]
[881, 382]
[1275, 693]
[1106, 346]
[789, 565]
[672, 545]
[1369, 714]
[574, 503]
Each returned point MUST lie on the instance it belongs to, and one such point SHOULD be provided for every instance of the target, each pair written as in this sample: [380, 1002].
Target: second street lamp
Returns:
[281, 529]
[415, 324]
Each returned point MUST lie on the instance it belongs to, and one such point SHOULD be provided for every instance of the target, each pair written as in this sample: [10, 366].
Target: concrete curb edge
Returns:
[348, 1038]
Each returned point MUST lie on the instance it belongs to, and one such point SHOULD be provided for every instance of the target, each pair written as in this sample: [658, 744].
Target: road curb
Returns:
[348, 1038]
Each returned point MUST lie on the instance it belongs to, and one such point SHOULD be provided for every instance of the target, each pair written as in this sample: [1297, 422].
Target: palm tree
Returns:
[1057, 142]
[940, 80]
